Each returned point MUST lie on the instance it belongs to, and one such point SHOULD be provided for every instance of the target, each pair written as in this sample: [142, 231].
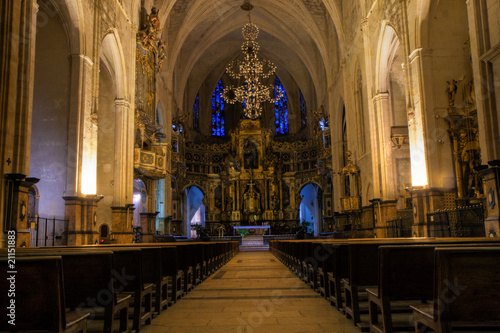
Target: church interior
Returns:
[294, 126]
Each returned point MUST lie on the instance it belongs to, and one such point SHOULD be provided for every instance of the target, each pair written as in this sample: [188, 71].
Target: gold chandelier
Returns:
[251, 69]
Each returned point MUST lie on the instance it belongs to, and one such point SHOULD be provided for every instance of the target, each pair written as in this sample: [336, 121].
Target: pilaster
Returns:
[16, 209]
[122, 230]
[148, 225]
[491, 183]
[81, 220]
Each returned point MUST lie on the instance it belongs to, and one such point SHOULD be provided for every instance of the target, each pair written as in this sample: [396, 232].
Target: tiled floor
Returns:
[254, 292]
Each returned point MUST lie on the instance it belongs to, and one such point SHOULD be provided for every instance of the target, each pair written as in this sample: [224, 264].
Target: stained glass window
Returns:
[303, 110]
[196, 113]
[218, 111]
[281, 109]
[323, 124]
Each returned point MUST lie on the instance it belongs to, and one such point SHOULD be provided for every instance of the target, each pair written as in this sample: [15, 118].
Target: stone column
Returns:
[381, 104]
[17, 37]
[17, 187]
[81, 216]
[148, 225]
[122, 230]
[376, 181]
[491, 183]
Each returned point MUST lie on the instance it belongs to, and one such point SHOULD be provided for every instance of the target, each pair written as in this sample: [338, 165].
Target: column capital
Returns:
[364, 23]
[420, 52]
[84, 58]
[122, 102]
[380, 96]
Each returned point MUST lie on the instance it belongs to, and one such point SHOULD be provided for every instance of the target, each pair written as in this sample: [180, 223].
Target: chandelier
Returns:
[252, 93]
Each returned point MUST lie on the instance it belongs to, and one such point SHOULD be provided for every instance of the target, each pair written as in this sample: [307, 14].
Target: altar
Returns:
[254, 229]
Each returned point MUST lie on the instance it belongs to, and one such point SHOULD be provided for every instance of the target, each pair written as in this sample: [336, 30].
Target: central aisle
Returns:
[254, 292]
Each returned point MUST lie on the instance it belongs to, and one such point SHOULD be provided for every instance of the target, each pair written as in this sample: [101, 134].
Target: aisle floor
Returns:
[254, 292]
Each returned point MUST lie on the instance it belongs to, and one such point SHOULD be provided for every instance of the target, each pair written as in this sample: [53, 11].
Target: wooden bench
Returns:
[152, 268]
[91, 283]
[128, 262]
[153, 273]
[466, 291]
[405, 273]
[39, 297]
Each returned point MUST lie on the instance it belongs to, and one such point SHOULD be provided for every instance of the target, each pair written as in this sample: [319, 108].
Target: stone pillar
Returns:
[17, 37]
[381, 104]
[81, 220]
[17, 187]
[424, 201]
[491, 183]
[122, 230]
[376, 181]
[148, 225]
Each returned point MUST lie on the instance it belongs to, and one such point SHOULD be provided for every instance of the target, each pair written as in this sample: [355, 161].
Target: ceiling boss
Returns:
[252, 93]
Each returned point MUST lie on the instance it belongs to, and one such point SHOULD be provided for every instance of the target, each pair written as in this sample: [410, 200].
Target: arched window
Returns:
[280, 109]
[218, 111]
[196, 113]
[303, 110]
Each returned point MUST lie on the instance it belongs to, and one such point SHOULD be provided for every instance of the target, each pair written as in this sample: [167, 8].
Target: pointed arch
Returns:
[387, 48]
[112, 56]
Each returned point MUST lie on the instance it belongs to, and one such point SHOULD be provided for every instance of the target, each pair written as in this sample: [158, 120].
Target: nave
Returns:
[253, 292]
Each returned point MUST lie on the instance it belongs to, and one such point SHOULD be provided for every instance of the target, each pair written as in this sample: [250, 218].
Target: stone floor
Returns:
[254, 292]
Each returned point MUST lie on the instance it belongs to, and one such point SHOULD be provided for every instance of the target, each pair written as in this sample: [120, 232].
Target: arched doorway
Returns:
[51, 110]
[310, 207]
[140, 200]
[194, 210]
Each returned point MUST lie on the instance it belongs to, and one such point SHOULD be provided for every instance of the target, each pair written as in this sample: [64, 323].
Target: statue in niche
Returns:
[471, 160]
[250, 156]
[452, 91]
[229, 204]
[275, 202]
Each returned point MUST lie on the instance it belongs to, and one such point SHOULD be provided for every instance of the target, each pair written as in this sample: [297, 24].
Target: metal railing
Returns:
[400, 227]
[46, 231]
[466, 221]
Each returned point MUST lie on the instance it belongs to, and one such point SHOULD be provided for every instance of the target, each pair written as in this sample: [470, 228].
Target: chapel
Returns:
[140, 117]
[260, 121]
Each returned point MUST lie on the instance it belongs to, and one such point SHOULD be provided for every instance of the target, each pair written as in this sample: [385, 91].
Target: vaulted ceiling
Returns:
[300, 36]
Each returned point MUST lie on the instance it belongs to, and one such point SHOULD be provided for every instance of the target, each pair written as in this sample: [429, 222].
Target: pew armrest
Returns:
[372, 292]
[73, 318]
[424, 310]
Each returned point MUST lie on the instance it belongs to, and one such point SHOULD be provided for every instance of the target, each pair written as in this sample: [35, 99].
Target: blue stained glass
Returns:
[196, 113]
[218, 111]
[303, 110]
[280, 109]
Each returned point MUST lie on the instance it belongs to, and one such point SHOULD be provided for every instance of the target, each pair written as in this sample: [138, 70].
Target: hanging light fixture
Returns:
[251, 69]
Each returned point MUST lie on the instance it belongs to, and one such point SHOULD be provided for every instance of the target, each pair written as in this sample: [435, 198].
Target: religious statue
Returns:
[161, 53]
[275, 202]
[250, 154]
[452, 90]
[229, 204]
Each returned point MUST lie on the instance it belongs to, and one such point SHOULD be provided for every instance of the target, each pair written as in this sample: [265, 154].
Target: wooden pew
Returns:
[39, 297]
[466, 291]
[153, 274]
[152, 268]
[405, 273]
[127, 260]
[91, 283]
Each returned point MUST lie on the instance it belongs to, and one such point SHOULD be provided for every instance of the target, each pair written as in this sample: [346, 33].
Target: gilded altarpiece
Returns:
[252, 179]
